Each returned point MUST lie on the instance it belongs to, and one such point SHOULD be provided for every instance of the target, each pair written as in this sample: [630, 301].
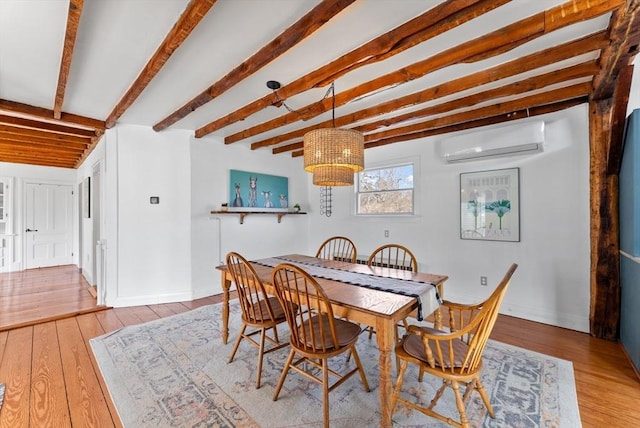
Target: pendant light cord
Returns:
[333, 103]
[331, 91]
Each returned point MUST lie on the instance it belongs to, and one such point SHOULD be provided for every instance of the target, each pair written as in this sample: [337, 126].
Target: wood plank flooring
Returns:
[38, 295]
[52, 379]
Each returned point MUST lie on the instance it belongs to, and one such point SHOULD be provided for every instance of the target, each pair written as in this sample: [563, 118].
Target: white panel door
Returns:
[48, 225]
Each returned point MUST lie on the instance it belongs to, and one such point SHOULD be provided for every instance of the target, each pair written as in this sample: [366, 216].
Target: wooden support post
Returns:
[605, 258]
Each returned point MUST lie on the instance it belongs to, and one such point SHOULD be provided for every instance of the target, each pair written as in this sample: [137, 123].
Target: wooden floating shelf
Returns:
[243, 214]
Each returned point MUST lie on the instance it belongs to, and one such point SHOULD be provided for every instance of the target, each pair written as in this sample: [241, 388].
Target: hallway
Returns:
[38, 295]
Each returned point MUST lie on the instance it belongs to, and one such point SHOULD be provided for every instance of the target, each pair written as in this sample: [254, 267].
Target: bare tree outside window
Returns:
[386, 191]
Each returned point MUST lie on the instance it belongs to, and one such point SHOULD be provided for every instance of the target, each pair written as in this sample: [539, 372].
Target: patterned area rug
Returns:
[173, 372]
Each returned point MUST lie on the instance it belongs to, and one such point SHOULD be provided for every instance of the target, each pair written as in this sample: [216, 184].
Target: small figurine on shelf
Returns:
[296, 207]
[224, 207]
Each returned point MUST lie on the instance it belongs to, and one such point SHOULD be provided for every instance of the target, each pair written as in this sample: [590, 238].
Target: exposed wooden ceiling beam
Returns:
[512, 89]
[49, 126]
[12, 137]
[21, 150]
[288, 147]
[497, 73]
[494, 43]
[35, 160]
[435, 21]
[613, 82]
[515, 89]
[44, 113]
[73, 19]
[190, 18]
[17, 141]
[624, 39]
[304, 27]
[486, 121]
[441, 18]
[553, 96]
[476, 123]
[94, 142]
[44, 135]
[50, 131]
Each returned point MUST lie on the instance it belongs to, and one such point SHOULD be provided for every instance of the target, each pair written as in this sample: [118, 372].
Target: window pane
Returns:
[386, 191]
[393, 202]
[400, 177]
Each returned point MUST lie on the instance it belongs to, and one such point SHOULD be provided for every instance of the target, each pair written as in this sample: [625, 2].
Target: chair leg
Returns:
[325, 390]
[439, 393]
[237, 344]
[460, 404]
[396, 389]
[484, 396]
[356, 359]
[283, 376]
[275, 334]
[263, 334]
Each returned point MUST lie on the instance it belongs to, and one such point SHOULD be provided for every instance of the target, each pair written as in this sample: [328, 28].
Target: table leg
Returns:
[226, 285]
[386, 341]
[438, 314]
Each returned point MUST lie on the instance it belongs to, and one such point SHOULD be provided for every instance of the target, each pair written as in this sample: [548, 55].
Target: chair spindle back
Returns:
[338, 248]
[303, 300]
[252, 296]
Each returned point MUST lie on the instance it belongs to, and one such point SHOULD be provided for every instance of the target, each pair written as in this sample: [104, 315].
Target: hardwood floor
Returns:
[52, 379]
[38, 295]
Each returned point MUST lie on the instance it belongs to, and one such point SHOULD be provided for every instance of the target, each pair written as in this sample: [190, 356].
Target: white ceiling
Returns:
[116, 38]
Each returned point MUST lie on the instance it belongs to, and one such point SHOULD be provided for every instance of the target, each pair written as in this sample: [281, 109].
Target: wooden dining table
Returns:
[379, 309]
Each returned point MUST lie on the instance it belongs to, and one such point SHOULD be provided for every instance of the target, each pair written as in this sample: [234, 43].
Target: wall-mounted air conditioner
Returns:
[513, 140]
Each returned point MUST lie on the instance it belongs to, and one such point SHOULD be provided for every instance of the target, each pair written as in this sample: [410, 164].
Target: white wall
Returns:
[34, 174]
[168, 252]
[87, 240]
[551, 284]
[151, 243]
[212, 237]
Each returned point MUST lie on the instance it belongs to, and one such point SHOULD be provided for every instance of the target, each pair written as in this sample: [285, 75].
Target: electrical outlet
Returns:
[483, 280]
[386, 233]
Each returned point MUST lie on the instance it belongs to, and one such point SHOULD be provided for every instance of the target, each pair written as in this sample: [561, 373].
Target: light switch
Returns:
[154, 200]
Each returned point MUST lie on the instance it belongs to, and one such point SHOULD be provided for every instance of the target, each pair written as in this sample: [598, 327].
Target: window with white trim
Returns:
[386, 191]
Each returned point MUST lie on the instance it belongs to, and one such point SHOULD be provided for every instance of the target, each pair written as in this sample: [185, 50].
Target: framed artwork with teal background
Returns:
[490, 205]
[253, 191]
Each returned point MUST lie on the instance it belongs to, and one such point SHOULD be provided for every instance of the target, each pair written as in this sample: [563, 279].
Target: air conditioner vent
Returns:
[512, 140]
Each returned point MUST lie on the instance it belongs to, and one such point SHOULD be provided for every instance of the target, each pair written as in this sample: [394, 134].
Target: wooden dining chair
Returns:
[316, 334]
[393, 256]
[260, 312]
[338, 248]
[454, 356]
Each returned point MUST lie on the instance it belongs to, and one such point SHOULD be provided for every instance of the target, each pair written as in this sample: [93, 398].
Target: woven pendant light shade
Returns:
[333, 176]
[334, 147]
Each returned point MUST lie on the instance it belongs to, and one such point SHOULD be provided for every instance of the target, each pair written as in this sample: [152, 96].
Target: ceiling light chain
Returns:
[275, 85]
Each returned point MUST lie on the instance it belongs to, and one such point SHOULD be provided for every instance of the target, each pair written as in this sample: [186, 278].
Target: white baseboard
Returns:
[544, 316]
[120, 302]
[570, 321]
